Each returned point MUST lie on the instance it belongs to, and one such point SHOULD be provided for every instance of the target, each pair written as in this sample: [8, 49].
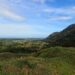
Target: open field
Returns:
[18, 60]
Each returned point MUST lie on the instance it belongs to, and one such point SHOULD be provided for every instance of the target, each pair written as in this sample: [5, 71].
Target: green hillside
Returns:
[51, 61]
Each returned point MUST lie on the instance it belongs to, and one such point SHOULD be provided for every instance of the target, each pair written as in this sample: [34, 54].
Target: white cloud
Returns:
[69, 10]
[12, 28]
[66, 13]
[61, 18]
[15, 30]
[7, 12]
[39, 1]
[49, 10]
[42, 1]
[17, 1]
[54, 10]
[18, 29]
[21, 30]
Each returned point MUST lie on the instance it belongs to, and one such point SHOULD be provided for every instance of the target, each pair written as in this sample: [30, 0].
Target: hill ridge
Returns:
[65, 37]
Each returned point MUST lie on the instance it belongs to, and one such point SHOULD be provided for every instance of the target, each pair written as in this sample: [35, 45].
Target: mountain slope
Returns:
[64, 38]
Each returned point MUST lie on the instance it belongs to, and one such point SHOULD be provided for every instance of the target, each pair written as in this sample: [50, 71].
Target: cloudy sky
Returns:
[34, 18]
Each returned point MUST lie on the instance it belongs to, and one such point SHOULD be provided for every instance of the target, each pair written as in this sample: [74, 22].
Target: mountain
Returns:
[64, 38]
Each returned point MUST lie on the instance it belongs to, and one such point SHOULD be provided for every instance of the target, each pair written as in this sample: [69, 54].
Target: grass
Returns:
[49, 61]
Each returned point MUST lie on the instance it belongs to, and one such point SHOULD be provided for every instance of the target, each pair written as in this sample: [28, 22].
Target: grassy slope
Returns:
[51, 61]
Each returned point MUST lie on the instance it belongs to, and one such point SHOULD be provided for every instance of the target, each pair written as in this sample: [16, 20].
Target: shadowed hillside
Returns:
[64, 38]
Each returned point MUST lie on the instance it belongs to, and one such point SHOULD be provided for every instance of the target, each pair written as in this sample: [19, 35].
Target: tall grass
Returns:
[50, 61]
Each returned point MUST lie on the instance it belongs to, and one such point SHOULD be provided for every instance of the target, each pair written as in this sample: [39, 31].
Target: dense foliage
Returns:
[21, 46]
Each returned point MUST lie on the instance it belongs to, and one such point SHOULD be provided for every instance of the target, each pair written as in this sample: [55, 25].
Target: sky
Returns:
[35, 18]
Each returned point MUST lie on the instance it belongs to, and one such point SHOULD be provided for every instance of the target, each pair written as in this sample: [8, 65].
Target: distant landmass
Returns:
[26, 39]
[64, 38]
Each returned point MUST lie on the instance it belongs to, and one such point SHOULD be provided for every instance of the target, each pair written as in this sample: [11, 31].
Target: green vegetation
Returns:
[38, 59]
[52, 56]
[21, 46]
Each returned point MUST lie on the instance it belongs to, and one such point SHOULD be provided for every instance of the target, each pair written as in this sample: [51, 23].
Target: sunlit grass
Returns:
[44, 63]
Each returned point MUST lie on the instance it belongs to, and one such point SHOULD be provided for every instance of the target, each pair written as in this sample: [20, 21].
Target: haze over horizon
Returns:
[34, 18]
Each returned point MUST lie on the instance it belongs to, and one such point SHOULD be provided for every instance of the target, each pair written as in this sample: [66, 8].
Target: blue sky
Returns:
[34, 18]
